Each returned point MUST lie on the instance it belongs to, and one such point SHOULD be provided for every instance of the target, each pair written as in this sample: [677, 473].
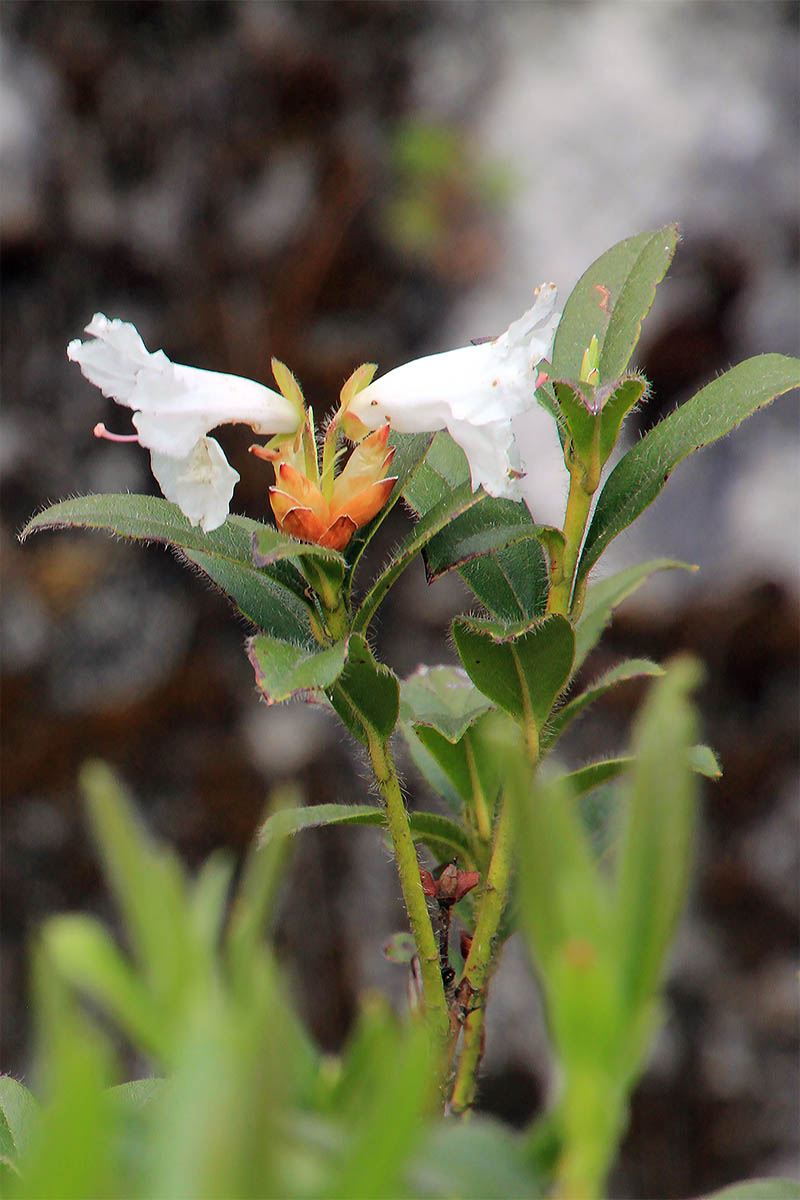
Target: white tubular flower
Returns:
[473, 393]
[174, 409]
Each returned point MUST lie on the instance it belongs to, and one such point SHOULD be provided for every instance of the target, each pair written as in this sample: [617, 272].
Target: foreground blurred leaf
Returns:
[633, 668]
[481, 1159]
[655, 848]
[18, 1113]
[717, 409]
[758, 1189]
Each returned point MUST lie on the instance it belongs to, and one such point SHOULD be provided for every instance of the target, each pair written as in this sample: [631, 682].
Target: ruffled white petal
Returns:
[472, 392]
[174, 406]
[201, 484]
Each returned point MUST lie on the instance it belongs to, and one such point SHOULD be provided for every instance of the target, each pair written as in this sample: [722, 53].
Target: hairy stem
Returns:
[408, 870]
[471, 992]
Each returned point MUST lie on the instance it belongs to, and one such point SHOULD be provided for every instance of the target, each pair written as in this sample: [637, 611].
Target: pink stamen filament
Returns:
[100, 431]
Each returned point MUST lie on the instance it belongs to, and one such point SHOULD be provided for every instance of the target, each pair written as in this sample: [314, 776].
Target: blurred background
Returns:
[345, 181]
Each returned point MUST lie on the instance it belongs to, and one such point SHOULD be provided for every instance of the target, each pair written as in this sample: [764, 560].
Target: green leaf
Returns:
[261, 599]
[717, 409]
[704, 761]
[85, 955]
[443, 469]
[522, 672]
[655, 848]
[481, 1159]
[575, 401]
[271, 546]
[443, 698]
[511, 583]
[485, 528]
[367, 694]
[758, 1189]
[149, 886]
[562, 894]
[431, 770]
[430, 828]
[19, 1110]
[284, 669]
[436, 518]
[615, 409]
[273, 601]
[610, 301]
[633, 668]
[604, 596]
[701, 759]
[385, 1091]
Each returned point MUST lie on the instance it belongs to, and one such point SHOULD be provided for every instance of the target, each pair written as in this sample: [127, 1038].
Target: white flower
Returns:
[174, 409]
[473, 393]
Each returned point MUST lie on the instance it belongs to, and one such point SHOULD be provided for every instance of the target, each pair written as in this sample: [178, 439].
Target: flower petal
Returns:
[201, 484]
[478, 387]
[174, 406]
[489, 450]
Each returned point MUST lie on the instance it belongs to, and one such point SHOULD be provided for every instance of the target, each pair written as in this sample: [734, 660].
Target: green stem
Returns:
[472, 989]
[408, 870]
[578, 504]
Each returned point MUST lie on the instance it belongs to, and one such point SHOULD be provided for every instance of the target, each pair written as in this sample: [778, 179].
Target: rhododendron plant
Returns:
[246, 1091]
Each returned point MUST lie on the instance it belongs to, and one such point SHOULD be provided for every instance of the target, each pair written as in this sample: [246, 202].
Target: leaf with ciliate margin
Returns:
[702, 760]
[285, 669]
[443, 836]
[512, 581]
[273, 600]
[437, 517]
[443, 469]
[604, 596]
[714, 411]
[634, 668]
[271, 546]
[366, 694]
[444, 698]
[610, 301]
[523, 670]
[491, 525]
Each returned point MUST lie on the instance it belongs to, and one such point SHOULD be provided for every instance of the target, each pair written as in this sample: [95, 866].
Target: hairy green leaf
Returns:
[273, 600]
[604, 596]
[714, 411]
[523, 671]
[284, 669]
[366, 694]
[610, 301]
